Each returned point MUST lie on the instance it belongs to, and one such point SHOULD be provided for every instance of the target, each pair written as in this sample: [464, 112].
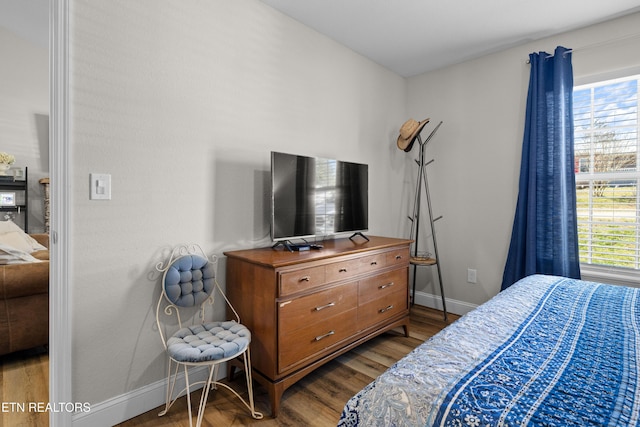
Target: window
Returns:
[607, 150]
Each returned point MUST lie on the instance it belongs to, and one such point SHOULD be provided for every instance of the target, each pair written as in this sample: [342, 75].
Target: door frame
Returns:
[60, 302]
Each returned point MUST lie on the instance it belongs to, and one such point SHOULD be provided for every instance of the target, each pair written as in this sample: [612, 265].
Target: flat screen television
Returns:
[312, 197]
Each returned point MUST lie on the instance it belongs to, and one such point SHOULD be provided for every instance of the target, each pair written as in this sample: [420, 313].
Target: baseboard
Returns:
[434, 301]
[131, 404]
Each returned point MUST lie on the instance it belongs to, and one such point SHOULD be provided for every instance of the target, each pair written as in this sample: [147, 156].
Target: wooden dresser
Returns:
[305, 308]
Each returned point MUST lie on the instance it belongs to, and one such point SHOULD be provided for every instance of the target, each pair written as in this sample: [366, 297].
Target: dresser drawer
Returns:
[382, 285]
[300, 280]
[379, 310]
[301, 345]
[301, 312]
[352, 267]
[398, 256]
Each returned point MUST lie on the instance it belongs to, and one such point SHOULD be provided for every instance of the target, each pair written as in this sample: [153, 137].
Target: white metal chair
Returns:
[189, 286]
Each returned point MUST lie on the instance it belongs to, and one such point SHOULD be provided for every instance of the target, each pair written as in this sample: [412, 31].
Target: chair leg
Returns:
[214, 382]
[211, 383]
[247, 368]
[249, 378]
[205, 396]
[186, 379]
[171, 382]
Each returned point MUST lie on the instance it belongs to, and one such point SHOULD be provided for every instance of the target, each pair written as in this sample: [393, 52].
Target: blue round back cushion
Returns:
[189, 280]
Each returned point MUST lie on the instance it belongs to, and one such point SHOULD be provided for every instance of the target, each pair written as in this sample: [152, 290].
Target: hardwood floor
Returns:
[24, 388]
[316, 400]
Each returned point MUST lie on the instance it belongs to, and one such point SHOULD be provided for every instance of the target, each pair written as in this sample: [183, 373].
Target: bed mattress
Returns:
[547, 351]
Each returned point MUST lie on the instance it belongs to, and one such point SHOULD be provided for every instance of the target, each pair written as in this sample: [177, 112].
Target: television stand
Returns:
[359, 233]
[304, 311]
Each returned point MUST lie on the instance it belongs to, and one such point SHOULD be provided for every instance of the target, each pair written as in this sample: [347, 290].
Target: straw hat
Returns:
[408, 133]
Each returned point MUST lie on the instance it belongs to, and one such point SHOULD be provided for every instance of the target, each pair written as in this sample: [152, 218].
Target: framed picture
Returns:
[7, 199]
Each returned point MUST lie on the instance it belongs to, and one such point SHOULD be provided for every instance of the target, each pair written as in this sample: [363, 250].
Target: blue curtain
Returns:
[544, 238]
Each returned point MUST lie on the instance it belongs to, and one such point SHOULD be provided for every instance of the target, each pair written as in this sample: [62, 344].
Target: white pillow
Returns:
[14, 236]
[10, 255]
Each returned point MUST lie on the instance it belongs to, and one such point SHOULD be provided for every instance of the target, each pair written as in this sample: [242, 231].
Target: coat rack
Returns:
[416, 259]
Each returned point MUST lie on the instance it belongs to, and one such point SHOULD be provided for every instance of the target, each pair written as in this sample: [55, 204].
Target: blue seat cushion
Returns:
[208, 342]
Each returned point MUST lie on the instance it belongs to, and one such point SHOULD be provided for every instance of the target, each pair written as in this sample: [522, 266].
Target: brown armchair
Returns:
[24, 302]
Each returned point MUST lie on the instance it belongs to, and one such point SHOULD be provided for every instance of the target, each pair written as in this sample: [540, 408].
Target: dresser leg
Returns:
[275, 396]
[275, 391]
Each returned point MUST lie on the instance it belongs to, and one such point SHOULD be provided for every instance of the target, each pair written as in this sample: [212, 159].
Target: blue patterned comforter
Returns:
[548, 351]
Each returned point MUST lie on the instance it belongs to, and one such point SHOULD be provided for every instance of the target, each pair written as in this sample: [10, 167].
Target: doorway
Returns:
[29, 100]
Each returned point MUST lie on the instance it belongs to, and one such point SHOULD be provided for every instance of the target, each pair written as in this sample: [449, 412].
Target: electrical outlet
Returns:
[472, 275]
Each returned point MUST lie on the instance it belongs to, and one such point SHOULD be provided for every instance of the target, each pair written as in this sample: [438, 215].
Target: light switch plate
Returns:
[100, 186]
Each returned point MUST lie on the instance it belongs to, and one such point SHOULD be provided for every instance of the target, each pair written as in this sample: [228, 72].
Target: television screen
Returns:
[317, 197]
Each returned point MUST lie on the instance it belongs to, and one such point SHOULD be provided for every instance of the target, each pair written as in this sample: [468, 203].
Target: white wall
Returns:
[474, 178]
[24, 114]
[182, 102]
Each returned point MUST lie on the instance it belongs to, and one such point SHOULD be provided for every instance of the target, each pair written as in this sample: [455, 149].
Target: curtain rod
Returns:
[602, 43]
[552, 55]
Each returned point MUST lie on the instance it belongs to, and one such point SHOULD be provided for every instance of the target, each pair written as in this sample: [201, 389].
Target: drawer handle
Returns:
[305, 279]
[398, 256]
[322, 307]
[374, 262]
[342, 270]
[328, 334]
[382, 310]
[387, 285]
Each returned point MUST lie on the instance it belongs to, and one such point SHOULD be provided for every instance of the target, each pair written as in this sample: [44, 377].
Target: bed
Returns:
[547, 351]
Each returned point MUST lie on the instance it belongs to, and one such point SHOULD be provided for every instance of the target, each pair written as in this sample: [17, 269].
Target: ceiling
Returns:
[411, 37]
